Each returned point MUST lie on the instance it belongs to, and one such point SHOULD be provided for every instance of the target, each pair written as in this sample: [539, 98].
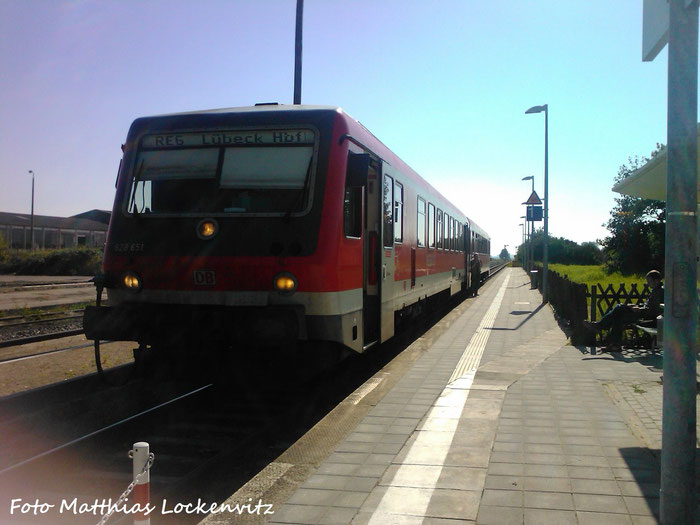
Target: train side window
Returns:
[440, 230]
[447, 232]
[431, 226]
[398, 212]
[454, 235]
[459, 236]
[421, 222]
[388, 212]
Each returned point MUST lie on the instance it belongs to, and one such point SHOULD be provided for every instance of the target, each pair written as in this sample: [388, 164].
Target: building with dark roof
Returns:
[95, 215]
[54, 232]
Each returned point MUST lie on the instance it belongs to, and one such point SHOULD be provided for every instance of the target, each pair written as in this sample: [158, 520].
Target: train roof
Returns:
[478, 229]
[261, 107]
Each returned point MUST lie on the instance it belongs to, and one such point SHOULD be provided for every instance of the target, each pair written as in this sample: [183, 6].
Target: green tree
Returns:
[637, 228]
[562, 251]
[504, 255]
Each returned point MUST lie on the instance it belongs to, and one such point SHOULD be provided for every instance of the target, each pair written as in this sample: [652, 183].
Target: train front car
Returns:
[227, 228]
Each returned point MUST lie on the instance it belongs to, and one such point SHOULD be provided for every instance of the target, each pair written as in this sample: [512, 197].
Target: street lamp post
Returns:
[298, 51]
[31, 227]
[523, 240]
[526, 248]
[531, 252]
[540, 109]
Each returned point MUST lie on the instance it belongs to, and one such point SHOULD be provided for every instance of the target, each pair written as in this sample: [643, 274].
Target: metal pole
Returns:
[680, 296]
[532, 225]
[32, 220]
[529, 244]
[545, 254]
[529, 238]
[532, 233]
[526, 251]
[297, 52]
[545, 247]
[141, 495]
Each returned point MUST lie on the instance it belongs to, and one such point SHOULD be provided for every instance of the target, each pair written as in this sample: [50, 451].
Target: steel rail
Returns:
[39, 354]
[37, 321]
[94, 433]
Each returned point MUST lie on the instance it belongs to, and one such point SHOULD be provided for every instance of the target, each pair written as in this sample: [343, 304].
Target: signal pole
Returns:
[680, 316]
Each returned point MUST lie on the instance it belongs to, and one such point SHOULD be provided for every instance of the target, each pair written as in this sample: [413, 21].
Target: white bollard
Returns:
[141, 494]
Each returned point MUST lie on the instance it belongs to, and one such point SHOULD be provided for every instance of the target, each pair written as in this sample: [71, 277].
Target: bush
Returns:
[68, 261]
[4, 249]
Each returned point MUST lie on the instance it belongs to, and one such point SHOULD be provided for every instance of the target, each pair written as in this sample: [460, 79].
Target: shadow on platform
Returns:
[652, 360]
[531, 314]
[644, 465]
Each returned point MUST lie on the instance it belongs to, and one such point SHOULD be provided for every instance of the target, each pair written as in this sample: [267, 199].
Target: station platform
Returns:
[493, 419]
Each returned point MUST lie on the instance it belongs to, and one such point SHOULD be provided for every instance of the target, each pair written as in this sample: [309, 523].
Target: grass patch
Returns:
[592, 275]
[595, 274]
[638, 389]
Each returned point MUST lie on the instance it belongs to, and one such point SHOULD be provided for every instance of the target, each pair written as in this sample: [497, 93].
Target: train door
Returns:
[467, 255]
[388, 216]
[365, 171]
[377, 246]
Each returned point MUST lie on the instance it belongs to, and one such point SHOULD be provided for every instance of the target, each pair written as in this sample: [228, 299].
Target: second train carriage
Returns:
[273, 223]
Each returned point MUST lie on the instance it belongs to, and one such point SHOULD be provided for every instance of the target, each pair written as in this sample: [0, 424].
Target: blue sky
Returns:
[444, 84]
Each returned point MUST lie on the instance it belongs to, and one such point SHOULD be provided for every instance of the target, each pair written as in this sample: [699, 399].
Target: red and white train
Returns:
[269, 224]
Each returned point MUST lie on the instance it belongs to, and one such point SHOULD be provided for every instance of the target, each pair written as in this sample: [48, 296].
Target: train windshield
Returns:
[218, 173]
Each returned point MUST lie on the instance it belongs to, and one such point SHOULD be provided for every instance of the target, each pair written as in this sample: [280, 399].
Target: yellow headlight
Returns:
[207, 228]
[132, 281]
[285, 283]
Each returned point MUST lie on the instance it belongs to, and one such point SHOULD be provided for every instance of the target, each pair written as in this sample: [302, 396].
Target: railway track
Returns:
[201, 435]
[29, 353]
[210, 434]
[18, 330]
[38, 319]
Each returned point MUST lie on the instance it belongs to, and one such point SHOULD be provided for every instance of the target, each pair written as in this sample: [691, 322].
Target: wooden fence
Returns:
[574, 302]
[604, 299]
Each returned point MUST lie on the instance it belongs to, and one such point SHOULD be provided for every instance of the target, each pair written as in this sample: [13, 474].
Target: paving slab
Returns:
[496, 421]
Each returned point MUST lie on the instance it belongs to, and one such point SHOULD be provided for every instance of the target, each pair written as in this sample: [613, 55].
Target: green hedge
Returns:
[68, 261]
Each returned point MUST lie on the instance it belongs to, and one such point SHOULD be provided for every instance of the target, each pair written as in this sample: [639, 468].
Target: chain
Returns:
[130, 488]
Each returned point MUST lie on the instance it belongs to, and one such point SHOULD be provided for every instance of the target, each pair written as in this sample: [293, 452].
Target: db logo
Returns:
[204, 277]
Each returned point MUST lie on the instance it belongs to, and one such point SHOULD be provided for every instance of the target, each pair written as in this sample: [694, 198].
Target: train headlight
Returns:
[132, 281]
[285, 283]
[207, 228]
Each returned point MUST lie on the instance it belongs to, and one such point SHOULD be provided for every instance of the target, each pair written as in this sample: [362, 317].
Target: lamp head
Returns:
[537, 109]
[529, 177]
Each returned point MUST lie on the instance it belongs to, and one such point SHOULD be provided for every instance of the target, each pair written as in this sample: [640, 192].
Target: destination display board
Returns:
[226, 138]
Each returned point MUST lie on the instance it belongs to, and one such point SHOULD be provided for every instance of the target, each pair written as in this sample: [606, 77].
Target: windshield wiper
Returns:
[135, 184]
[288, 215]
